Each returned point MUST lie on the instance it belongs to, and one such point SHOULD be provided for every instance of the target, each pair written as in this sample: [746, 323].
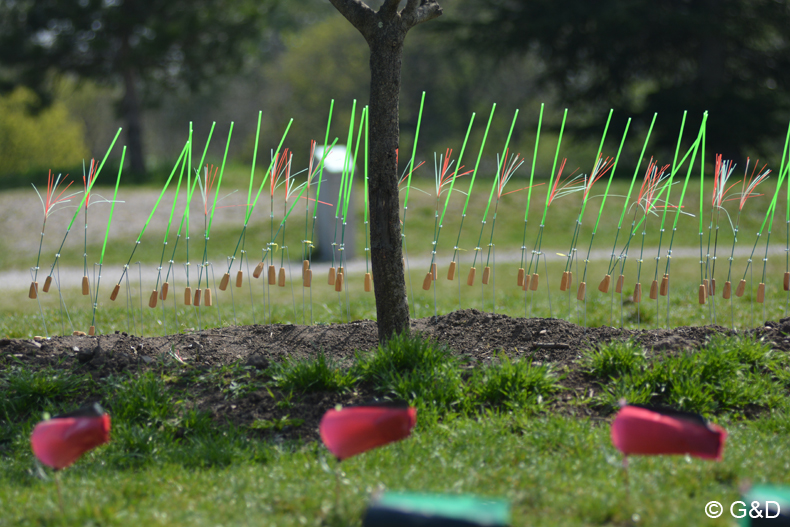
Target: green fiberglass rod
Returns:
[529, 189]
[635, 225]
[404, 244]
[153, 210]
[249, 193]
[178, 233]
[191, 186]
[787, 218]
[770, 213]
[309, 241]
[106, 236]
[413, 155]
[267, 174]
[352, 168]
[499, 175]
[350, 182]
[782, 174]
[539, 239]
[666, 185]
[219, 182]
[612, 262]
[472, 182]
[702, 264]
[343, 173]
[553, 168]
[597, 165]
[170, 219]
[450, 192]
[669, 190]
[699, 142]
[112, 207]
[605, 194]
[787, 241]
[347, 161]
[785, 151]
[254, 158]
[251, 206]
[600, 152]
[298, 196]
[365, 225]
[77, 211]
[207, 234]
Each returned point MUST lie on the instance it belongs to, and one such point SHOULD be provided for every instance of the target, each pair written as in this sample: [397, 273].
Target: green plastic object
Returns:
[754, 511]
[406, 509]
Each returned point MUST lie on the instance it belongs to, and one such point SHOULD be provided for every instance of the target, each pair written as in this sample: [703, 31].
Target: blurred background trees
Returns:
[216, 60]
[730, 57]
[145, 48]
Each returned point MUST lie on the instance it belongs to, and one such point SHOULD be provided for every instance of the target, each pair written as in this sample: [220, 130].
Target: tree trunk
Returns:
[385, 32]
[392, 308]
[130, 107]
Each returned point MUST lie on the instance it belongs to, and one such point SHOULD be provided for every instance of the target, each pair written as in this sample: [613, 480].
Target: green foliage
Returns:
[275, 424]
[555, 471]
[514, 383]
[150, 47]
[49, 139]
[614, 359]
[415, 369]
[141, 399]
[729, 374]
[317, 374]
[26, 393]
[604, 56]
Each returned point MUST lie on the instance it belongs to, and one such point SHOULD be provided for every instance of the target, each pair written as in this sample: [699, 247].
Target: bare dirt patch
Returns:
[194, 360]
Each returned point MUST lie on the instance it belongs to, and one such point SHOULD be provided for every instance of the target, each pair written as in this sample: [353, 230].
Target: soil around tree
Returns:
[477, 338]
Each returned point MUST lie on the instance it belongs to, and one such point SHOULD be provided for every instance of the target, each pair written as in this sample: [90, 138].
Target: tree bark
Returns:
[385, 32]
[392, 308]
[130, 108]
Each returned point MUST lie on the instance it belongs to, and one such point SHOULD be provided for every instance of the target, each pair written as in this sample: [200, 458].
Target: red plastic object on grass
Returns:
[60, 441]
[642, 430]
[352, 430]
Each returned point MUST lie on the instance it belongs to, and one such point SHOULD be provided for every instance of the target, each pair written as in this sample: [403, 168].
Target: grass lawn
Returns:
[503, 429]
[20, 316]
